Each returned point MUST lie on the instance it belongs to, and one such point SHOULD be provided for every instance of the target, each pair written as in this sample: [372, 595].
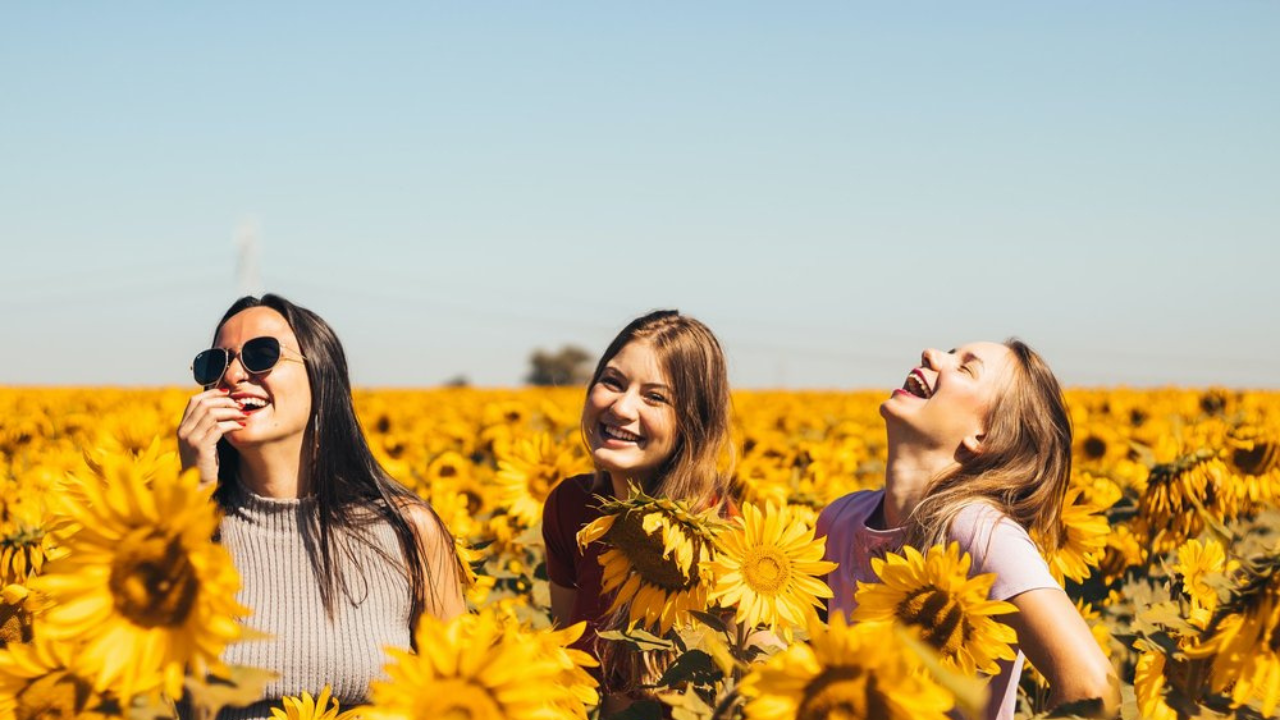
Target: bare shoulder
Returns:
[429, 527]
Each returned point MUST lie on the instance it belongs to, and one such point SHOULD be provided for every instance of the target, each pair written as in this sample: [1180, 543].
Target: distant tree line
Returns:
[570, 365]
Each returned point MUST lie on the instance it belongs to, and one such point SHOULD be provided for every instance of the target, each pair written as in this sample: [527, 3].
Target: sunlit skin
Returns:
[629, 419]
[269, 439]
[928, 437]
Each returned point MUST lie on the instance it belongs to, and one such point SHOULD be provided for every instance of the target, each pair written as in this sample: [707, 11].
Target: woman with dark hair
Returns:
[979, 444]
[337, 560]
[657, 416]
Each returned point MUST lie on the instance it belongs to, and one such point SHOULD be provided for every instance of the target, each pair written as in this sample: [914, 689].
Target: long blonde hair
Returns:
[1023, 468]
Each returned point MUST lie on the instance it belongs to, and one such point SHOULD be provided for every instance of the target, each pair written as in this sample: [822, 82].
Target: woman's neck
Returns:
[274, 471]
[908, 472]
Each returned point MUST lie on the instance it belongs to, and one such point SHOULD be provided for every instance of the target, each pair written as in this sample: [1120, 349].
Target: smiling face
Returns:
[945, 401]
[629, 418]
[278, 402]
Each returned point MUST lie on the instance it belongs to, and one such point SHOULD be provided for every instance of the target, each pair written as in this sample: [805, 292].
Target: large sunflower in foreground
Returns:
[479, 667]
[844, 672]
[935, 594]
[767, 568]
[143, 585]
[656, 549]
[43, 679]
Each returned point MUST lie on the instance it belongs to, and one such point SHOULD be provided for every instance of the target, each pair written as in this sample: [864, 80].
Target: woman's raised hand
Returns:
[208, 417]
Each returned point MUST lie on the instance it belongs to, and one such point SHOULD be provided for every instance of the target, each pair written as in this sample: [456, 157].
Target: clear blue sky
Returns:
[830, 186]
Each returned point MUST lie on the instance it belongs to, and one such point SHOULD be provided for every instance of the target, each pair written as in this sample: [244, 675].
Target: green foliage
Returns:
[570, 365]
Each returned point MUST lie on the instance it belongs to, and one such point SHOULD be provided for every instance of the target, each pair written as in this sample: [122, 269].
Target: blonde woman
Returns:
[979, 452]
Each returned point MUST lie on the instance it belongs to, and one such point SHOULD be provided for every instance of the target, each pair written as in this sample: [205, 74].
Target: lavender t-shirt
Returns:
[996, 544]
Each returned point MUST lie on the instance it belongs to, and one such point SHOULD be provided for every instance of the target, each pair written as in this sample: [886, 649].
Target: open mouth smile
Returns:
[250, 404]
[610, 432]
[917, 385]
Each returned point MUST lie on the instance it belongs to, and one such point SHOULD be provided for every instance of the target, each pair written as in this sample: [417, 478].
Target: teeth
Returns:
[253, 402]
[620, 434]
[917, 387]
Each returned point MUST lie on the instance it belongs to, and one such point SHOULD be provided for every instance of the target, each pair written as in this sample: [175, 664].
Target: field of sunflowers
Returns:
[116, 600]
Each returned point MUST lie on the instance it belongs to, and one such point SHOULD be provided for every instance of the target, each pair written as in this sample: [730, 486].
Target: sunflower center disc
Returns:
[766, 570]
[460, 700]
[644, 550]
[839, 693]
[1256, 461]
[153, 581]
[940, 616]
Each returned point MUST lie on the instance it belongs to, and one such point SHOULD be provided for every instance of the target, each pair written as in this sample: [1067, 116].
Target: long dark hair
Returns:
[352, 491]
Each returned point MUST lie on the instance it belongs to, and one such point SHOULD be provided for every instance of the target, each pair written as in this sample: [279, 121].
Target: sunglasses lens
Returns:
[260, 354]
[208, 366]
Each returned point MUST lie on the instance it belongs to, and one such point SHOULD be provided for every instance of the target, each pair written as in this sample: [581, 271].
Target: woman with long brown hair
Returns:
[657, 416]
[979, 452]
[337, 560]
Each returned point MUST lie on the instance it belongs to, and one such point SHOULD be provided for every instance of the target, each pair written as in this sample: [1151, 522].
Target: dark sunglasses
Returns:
[256, 356]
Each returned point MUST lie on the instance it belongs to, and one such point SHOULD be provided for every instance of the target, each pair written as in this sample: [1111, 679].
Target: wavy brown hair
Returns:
[1023, 468]
[699, 469]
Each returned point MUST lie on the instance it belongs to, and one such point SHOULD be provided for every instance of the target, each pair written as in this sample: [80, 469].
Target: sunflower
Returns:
[142, 585]
[44, 679]
[844, 672]
[767, 566]
[1244, 640]
[1085, 529]
[579, 688]
[656, 548]
[1197, 561]
[1180, 493]
[935, 593]
[23, 549]
[309, 708]
[1123, 551]
[480, 668]
[530, 468]
[1254, 453]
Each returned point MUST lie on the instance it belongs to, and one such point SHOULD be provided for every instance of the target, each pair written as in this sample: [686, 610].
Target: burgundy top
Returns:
[570, 506]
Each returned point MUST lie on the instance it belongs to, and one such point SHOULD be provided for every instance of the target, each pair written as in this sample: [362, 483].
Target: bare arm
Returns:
[1058, 643]
[562, 600]
[442, 574]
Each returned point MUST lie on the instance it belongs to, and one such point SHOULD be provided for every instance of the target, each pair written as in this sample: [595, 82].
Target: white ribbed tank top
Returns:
[281, 588]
